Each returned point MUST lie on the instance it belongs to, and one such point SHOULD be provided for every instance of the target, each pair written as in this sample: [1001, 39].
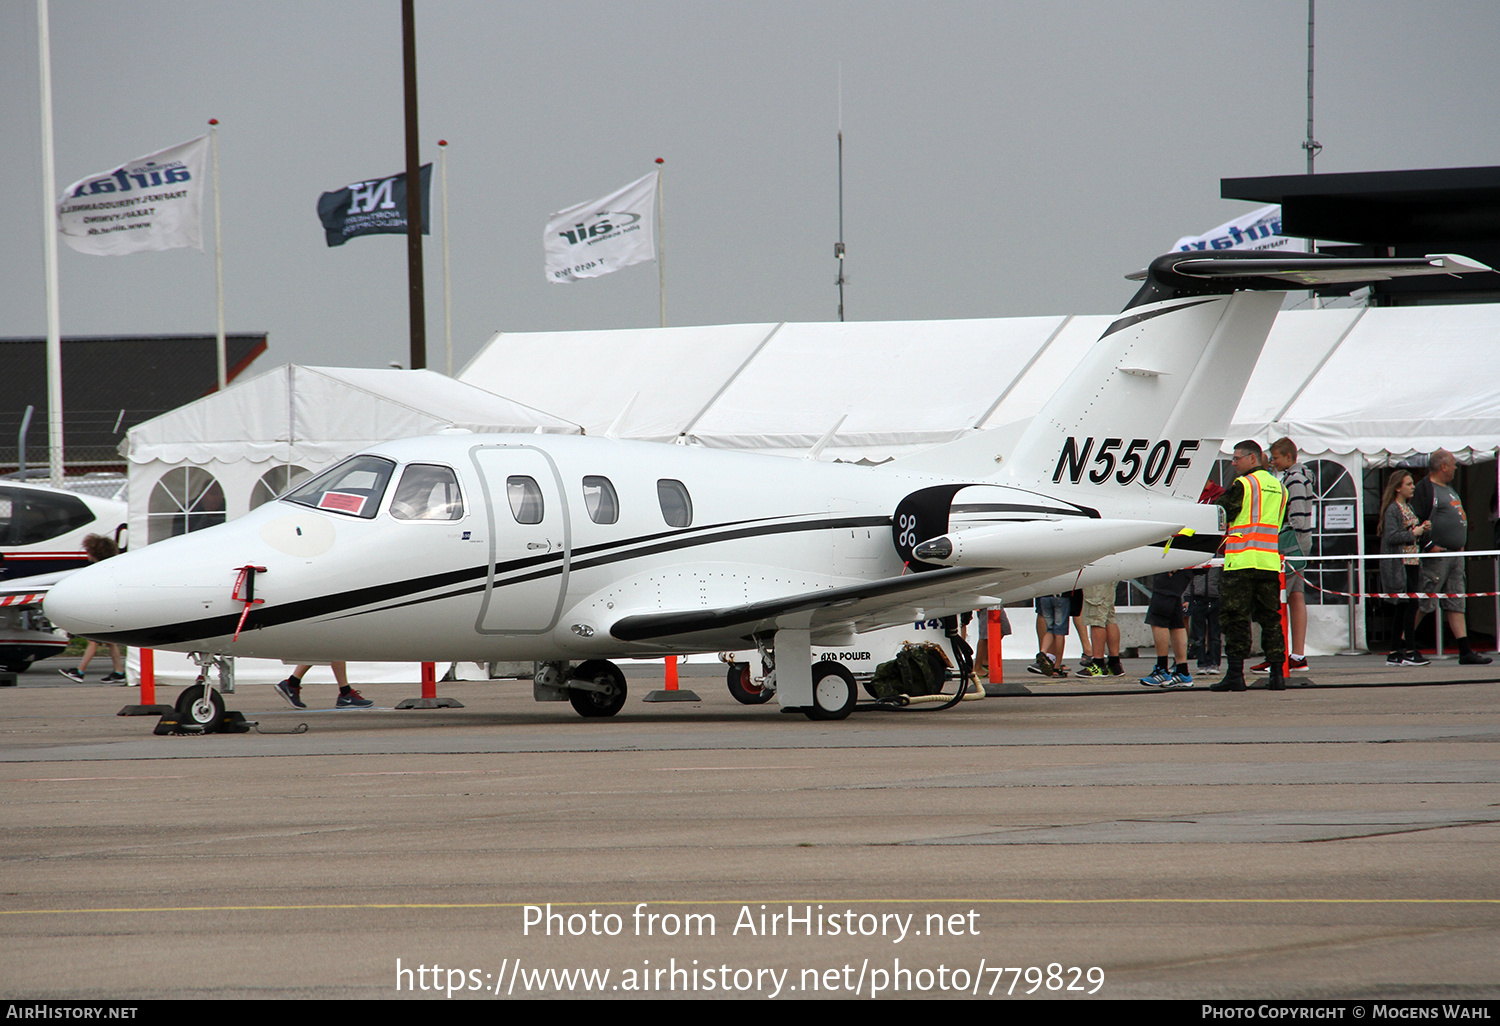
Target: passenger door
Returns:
[530, 540]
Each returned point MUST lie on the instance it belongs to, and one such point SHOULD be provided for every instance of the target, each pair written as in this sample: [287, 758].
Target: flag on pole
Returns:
[154, 202]
[1259, 229]
[603, 235]
[374, 207]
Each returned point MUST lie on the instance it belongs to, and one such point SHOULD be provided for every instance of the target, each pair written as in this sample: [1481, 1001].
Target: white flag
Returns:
[153, 202]
[1259, 229]
[603, 235]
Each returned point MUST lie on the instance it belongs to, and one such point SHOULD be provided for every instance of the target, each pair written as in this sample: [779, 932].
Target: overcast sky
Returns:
[1000, 158]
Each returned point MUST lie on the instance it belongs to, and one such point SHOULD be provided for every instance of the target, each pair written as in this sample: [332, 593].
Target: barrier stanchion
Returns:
[998, 685]
[1353, 648]
[993, 640]
[147, 705]
[148, 676]
[429, 699]
[672, 693]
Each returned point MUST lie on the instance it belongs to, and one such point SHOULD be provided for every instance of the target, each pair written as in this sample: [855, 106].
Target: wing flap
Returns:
[859, 606]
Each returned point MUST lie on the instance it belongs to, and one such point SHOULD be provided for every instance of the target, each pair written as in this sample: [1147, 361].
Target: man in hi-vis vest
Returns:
[1256, 505]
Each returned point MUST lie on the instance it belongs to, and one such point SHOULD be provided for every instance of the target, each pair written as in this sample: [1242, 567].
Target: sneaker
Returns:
[1179, 679]
[72, 674]
[1160, 677]
[1261, 668]
[353, 700]
[1208, 671]
[1093, 670]
[1396, 659]
[292, 693]
[1293, 663]
[1116, 668]
[1473, 659]
[1414, 658]
[114, 678]
[1042, 666]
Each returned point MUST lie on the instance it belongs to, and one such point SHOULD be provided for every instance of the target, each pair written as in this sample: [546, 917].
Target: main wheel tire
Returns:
[743, 687]
[200, 706]
[834, 691]
[598, 703]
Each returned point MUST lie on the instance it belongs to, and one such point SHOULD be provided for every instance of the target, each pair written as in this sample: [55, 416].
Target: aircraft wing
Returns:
[859, 607]
[29, 591]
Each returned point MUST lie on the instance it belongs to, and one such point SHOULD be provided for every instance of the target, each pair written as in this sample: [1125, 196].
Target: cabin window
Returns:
[525, 497]
[676, 505]
[600, 500]
[427, 492]
[353, 487]
[185, 499]
[28, 517]
[275, 481]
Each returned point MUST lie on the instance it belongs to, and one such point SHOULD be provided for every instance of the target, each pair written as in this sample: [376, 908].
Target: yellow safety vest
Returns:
[1251, 541]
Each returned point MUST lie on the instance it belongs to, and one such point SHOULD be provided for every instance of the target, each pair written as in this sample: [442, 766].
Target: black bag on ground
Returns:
[916, 670]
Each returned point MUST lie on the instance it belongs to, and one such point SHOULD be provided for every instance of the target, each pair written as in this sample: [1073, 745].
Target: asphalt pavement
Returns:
[1092, 839]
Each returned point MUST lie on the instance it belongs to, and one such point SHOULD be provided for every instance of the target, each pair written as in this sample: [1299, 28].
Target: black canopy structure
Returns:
[1394, 213]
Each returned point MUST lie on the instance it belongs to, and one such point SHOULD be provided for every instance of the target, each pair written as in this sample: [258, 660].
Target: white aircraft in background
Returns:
[574, 551]
[41, 537]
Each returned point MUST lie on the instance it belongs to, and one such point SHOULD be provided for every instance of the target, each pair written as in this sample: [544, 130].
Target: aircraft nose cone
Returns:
[86, 602]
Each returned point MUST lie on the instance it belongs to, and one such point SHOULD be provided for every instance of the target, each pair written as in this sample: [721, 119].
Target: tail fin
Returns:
[1146, 409]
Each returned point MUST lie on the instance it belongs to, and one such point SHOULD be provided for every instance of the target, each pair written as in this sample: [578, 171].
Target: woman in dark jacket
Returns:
[1399, 533]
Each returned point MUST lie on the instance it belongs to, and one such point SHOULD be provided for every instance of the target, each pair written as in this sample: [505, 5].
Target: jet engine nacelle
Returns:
[1040, 544]
[931, 512]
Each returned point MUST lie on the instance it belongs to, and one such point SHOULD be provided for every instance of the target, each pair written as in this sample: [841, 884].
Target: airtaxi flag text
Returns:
[1259, 229]
[153, 202]
[603, 235]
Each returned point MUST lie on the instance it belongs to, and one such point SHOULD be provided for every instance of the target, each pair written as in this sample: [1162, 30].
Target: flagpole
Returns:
[49, 235]
[447, 280]
[213, 135]
[417, 302]
[661, 246]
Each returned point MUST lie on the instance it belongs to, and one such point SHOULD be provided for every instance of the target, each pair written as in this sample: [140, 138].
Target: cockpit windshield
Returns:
[354, 487]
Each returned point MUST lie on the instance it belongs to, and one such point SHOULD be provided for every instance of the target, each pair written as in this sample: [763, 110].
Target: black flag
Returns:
[374, 207]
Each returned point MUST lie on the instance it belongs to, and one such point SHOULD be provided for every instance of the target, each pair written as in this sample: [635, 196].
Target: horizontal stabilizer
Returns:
[1276, 270]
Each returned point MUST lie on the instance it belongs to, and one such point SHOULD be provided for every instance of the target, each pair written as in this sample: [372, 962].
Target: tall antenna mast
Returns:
[1310, 144]
[838, 247]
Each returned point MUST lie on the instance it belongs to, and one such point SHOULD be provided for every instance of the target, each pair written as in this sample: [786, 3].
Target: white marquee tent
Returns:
[1354, 387]
[1385, 383]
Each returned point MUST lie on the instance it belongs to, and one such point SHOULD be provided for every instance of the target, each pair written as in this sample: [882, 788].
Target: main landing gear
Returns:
[834, 692]
[743, 687]
[820, 691]
[595, 688]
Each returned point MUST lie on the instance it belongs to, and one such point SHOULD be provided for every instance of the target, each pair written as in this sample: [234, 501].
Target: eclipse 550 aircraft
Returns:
[573, 551]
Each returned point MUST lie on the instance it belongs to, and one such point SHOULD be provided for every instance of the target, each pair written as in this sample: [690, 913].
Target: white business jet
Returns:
[574, 551]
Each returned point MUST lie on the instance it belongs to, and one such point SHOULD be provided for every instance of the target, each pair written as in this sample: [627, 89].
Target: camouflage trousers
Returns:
[1252, 595]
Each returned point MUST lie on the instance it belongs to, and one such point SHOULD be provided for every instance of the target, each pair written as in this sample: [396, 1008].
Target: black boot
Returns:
[1276, 682]
[1234, 678]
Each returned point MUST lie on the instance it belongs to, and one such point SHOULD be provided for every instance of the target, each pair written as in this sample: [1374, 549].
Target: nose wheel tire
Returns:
[834, 691]
[596, 703]
[200, 706]
[743, 687]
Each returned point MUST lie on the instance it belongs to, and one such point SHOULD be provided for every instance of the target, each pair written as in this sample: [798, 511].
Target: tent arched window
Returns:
[276, 481]
[185, 499]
